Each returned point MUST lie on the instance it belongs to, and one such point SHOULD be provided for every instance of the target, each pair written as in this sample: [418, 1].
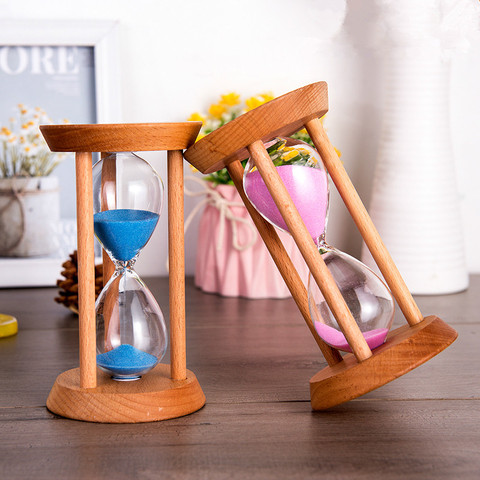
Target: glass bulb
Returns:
[131, 332]
[303, 174]
[367, 297]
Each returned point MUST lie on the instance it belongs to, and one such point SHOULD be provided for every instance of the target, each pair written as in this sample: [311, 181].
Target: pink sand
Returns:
[336, 339]
[308, 188]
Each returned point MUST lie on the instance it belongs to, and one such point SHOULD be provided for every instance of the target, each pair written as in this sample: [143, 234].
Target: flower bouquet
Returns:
[29, 200]
[231, 258]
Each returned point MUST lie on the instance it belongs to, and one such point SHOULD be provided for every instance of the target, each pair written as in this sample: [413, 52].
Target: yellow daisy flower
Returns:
[267, 97]
[216, 110]
[289, 155]
[253, 102]
[196, 117]
[231, 99]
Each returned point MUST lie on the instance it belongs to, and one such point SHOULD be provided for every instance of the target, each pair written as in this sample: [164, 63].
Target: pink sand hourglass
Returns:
[368, 298]
[361, 304]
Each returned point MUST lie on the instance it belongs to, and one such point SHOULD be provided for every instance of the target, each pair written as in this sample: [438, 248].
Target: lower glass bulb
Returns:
[365, 294]
[131, 331]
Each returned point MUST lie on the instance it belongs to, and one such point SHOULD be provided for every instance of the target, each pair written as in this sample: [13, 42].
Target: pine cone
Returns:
[68, 293]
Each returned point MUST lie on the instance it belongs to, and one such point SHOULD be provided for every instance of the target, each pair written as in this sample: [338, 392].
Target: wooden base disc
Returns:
[405, 349]
[154, 397]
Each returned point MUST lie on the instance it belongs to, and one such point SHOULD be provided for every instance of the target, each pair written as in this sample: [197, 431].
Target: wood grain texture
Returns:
[154, 397]
[122, 137]
[388, 440]
[309, 251]
[83, 399]
[254, 360]
[282, 116]
[406, 348]
[283, 263]
[86, 269]
[263, 352]
[176, 262]
[225, 146]
[108, 202]
[364, 223]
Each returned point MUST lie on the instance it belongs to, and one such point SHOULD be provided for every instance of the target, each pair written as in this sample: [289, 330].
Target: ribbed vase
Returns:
[251, 273]
[415, 203]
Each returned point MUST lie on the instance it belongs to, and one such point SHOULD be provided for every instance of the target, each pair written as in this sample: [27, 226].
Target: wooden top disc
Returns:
[120, 137]
[282, 116]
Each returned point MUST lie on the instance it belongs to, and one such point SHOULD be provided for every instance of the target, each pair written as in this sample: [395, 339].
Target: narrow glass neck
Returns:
[322, 245]
[121, 265]
[320, 241]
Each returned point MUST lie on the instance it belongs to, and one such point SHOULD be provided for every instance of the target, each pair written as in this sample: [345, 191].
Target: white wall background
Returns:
[179, 56]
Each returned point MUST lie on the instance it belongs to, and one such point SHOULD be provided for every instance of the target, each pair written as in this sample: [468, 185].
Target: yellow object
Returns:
[230, 99]
[217, 110]
[8, 325]
[196, 117]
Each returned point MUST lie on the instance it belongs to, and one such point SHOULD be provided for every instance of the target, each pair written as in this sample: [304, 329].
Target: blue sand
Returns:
[126, 360]
[124, 232]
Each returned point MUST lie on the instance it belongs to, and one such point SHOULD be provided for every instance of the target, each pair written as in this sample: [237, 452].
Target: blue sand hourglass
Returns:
[131, 332]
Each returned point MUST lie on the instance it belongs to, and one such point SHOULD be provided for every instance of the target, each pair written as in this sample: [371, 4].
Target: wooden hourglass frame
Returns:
[168, 391]
[354, 374]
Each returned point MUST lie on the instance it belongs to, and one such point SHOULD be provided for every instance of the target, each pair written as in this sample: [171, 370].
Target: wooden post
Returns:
[364, 222]
[176, 258]
[307, 247]
[108, 202]
[283, 263]
[86, 270]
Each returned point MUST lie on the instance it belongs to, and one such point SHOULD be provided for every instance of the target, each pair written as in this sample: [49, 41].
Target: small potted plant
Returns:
[29, 196]
[231, 257]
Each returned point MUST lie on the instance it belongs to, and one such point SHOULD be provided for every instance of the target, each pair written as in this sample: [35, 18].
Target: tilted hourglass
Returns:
[347, 306]
[301, 169]
[131, 332]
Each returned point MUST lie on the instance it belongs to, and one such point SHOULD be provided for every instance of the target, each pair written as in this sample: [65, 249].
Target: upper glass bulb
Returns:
[304, 176]
[128, 195]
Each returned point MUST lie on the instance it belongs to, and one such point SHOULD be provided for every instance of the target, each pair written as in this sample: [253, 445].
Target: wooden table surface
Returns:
[254, 359]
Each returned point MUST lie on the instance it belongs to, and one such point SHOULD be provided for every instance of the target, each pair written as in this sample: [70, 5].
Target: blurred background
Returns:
[173, 58]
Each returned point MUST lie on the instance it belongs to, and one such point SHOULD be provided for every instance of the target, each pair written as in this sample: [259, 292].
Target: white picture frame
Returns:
[103, 36]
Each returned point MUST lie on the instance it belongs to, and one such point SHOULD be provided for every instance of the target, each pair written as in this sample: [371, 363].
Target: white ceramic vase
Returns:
[415, 204]
[29, 216]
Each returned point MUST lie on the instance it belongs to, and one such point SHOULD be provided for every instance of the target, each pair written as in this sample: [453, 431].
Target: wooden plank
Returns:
[41, 312]
[120, 137]
[253, 360]
[375, 439]
[264, 363]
